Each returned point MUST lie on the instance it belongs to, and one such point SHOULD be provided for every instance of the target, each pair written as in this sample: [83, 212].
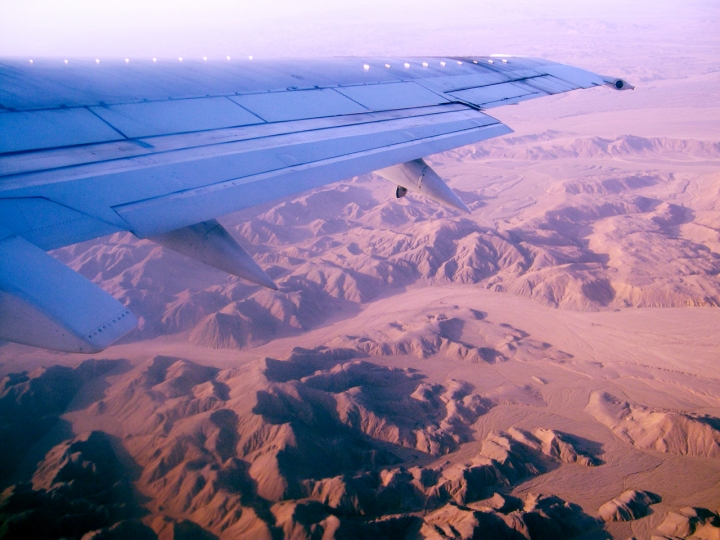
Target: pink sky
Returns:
[321, 27]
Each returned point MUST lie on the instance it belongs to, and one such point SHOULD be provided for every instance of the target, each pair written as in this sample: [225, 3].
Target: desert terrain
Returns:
[547, 367]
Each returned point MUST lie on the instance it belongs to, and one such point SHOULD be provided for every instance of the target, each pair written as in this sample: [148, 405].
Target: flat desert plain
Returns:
[547, 367]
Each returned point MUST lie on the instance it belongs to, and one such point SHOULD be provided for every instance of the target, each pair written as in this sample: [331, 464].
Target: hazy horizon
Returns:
[78, 28]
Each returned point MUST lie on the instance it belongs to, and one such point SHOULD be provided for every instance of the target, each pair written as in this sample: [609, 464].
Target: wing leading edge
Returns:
[82, 156]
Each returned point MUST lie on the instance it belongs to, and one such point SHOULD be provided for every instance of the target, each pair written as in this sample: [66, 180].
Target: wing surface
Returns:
[150, 148]
[88, 149]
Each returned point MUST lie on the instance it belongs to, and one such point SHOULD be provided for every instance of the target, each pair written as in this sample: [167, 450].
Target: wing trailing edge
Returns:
[46, 304]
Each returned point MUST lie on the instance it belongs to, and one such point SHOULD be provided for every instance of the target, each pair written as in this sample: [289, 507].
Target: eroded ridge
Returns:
[323, 441]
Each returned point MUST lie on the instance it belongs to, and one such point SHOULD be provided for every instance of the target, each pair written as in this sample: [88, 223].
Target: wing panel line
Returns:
[7, 174]
[190, 206]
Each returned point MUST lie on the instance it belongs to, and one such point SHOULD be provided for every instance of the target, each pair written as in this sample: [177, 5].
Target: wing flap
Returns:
[197, 160]
[61, 163]
[45, 304]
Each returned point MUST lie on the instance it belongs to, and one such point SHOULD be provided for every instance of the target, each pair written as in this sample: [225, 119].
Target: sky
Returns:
[171, 28]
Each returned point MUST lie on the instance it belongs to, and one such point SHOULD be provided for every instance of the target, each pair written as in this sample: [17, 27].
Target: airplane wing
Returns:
[160, 149]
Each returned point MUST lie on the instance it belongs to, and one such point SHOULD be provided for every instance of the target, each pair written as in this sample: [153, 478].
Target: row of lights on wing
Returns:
[366, 66]
[127, 60]
[425, 64]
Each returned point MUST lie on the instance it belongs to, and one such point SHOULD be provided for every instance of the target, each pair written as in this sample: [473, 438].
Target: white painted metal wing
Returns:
[160, 149]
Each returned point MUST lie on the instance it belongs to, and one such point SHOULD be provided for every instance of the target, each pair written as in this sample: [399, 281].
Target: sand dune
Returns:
[454, 333]
[689, 522]
[535, 517]
[628, 506]
[663, 431]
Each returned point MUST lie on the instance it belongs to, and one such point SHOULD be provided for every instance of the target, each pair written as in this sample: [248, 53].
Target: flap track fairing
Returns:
[209, 243]
[417, 176]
